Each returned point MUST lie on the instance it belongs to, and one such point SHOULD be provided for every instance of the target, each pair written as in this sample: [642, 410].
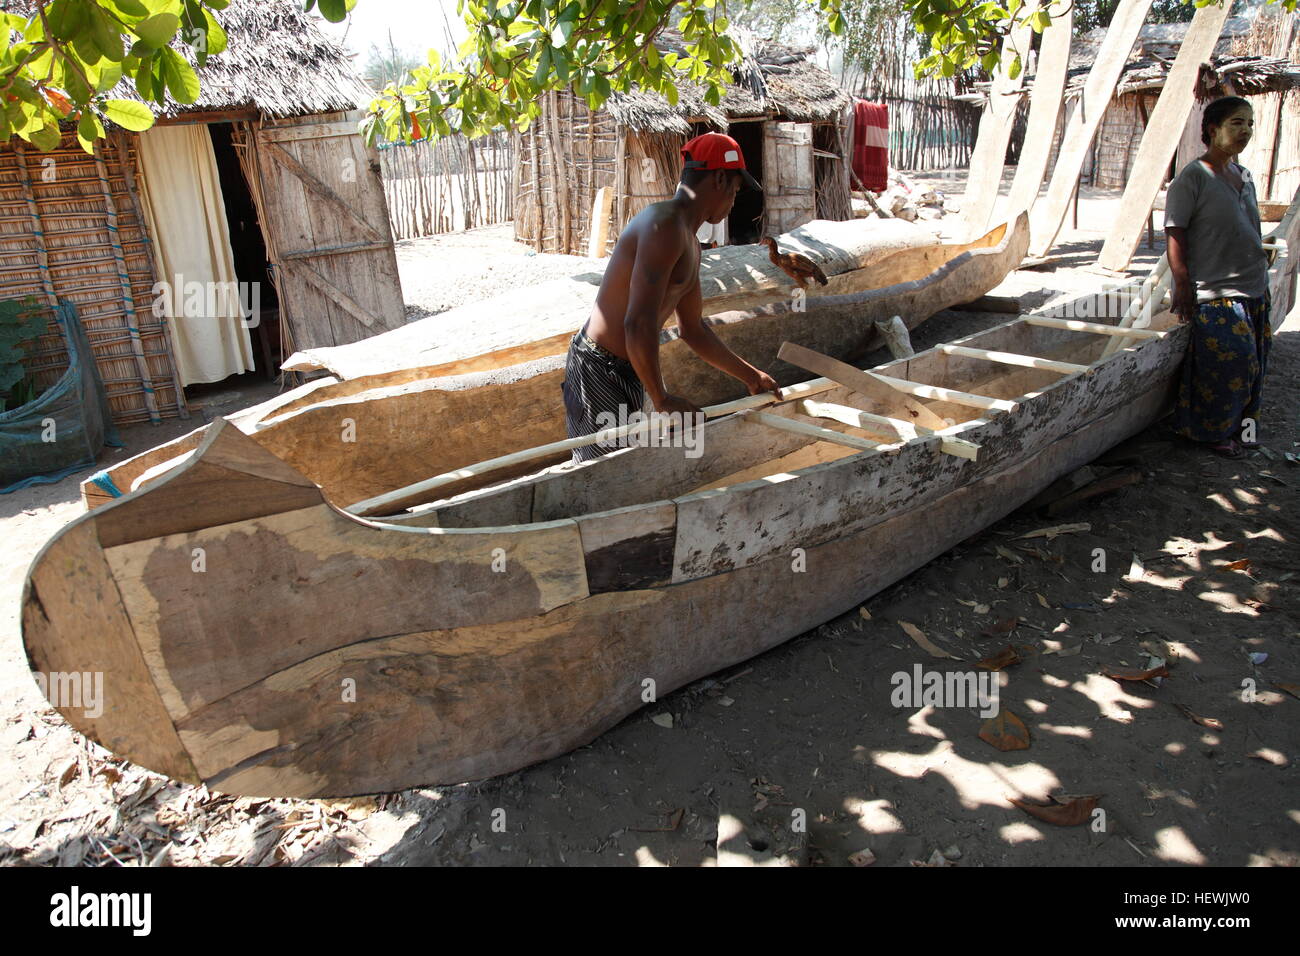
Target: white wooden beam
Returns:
[1012, 358]
[1078, 325]
[1160, 139]
[1083, 123]
[811, 431]
[1044, 110]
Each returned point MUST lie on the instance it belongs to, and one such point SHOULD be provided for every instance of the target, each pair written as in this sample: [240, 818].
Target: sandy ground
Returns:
[808, 732]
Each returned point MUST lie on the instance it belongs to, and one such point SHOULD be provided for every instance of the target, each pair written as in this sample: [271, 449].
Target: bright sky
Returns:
[416, 26]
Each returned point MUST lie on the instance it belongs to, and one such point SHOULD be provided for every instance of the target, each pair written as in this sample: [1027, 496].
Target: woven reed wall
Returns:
[449, 185]
[553, 213]
[71, 231]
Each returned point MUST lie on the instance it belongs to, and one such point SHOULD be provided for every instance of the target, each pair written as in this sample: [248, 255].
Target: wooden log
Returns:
[810, 431]
[989, 155]
[599, 230]
[1009, 304]
[894, 332]
[1160, 140]
[1082, 126]
[1120, 479]
[1097, 328]
[1011, 358]
[1044, 111]
[887, 429]
[864, 383]
[379, 503]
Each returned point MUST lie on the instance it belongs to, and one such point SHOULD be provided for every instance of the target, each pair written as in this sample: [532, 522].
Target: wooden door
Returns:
[327, 231]
[789, 195]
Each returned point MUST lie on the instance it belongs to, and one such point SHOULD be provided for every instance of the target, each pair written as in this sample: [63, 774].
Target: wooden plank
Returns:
[391, 499]
[282, 156]
[887, 429]
[230, 478]
[1011, 358]
[629, 548]
[74, 624]
[864, 383]
[304, 269]
[1044, 111]
[1160, 140]
[1097, 328]
[955, 396]
[1084, 121]
[598, 234]
[990, 152]
[811, 431]
[291, 134]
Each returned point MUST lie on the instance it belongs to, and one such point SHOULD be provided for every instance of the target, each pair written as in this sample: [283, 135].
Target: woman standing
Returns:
[1220, 285]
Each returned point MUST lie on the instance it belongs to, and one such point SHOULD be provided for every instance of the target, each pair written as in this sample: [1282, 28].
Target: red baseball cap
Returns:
[717, 151]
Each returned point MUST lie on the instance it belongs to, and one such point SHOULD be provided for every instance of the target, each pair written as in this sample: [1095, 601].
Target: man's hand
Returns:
[760, 381]
[672, 403]
[1184, 300]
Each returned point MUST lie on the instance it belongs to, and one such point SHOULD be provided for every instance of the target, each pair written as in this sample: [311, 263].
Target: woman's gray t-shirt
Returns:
[1227, 257]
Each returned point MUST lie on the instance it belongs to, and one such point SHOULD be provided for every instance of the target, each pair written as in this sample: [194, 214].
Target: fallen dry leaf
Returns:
[866, 615]
[1042, 600]
[1003, 582]
[1008, 554]
[1001, 628]
[862, 858]
[68, 771]
[1006, 731]
[1292, 689]
[1211, 722]
[1003, 658]
[1068, 814]
[1056, 529]
[1242, 564]
[1135, 673]
[1269, 755]
[916, 634]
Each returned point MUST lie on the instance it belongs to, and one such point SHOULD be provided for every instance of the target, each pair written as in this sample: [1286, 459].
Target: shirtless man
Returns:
[654, 271]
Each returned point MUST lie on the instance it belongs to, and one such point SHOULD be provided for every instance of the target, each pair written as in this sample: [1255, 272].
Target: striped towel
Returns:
[871, 144]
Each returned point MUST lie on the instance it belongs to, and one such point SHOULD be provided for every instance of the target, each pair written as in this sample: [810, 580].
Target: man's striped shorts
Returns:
[601, 391]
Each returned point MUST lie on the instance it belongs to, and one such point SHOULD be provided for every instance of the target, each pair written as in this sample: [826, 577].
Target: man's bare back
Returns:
[658, 223]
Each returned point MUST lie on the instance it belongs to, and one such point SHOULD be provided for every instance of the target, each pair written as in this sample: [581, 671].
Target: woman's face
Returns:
[1232, 135]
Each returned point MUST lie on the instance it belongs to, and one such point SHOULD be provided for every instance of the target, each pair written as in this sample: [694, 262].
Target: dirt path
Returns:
[809, 731]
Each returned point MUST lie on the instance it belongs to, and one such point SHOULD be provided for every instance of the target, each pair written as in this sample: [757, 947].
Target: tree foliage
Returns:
[61, 62]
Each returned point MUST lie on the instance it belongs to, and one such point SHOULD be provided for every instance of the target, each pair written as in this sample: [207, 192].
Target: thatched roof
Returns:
[770, 80]
[276, 60]
[1153, 54]
[1158, 44]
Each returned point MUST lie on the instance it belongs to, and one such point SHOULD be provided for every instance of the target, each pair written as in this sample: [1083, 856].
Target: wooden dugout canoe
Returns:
[315, 653]
[407, 424]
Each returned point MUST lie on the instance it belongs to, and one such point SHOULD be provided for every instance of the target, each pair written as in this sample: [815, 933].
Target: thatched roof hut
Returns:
[1257, 57]
[238, 229]
[793, 123]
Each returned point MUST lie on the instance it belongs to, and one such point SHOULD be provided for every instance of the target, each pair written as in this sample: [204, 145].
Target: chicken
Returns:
[797, 267]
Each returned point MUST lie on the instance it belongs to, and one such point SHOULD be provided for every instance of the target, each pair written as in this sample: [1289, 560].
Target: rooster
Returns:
[797, 267]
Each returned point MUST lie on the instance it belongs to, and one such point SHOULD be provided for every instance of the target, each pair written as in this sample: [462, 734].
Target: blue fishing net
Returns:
[64, 428]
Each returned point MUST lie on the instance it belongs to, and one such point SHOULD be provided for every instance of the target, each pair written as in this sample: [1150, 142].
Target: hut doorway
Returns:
[248, 247]
[745, 224]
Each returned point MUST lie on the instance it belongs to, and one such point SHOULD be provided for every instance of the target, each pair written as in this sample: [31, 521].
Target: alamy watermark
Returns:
[205, 300]
[922, 688]
[83, 690]
[662, 429]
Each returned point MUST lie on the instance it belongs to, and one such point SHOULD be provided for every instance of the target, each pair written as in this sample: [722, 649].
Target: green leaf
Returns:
[89, 129]
[47, 137]
[216, 35]
[105, 34]
[158, 30]
[179, 76]
[129, 114]
[130, 9]
[335, 11]
[110, 74]
[543, 71]
[67, 18]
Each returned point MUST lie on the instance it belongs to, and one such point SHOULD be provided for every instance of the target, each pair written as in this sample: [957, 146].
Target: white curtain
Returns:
[187, 223]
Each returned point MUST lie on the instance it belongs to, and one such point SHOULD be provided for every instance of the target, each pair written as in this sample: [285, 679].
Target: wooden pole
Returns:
[128, 298]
